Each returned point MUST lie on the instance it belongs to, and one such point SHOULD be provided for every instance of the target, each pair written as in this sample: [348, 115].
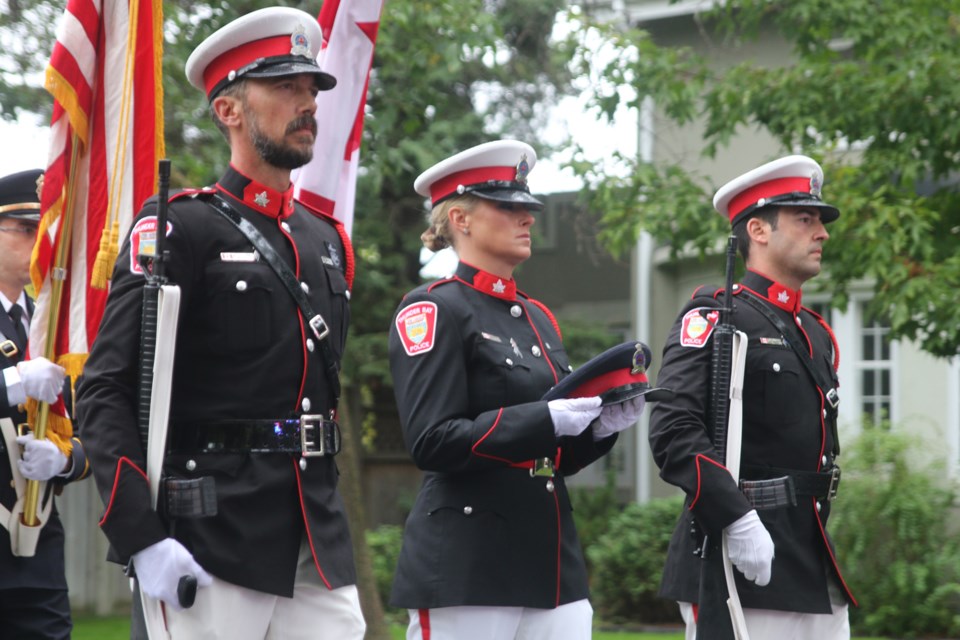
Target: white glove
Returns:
[41, 379]
[572, 415]
[160, 566]
[616, 417]
[41, 459]
[751, 548]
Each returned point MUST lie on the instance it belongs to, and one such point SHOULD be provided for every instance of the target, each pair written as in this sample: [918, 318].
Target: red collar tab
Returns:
[485, 282]
[770, 189]
[276, 204]
[777, 294]
[450, 184]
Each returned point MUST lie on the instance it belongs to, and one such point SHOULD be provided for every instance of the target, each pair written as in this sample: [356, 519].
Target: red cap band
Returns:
[769, 189]
[610, 380]
[448, 185]
[243, 55]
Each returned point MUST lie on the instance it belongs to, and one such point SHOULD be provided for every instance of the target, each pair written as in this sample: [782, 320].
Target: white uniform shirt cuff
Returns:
[15, 393]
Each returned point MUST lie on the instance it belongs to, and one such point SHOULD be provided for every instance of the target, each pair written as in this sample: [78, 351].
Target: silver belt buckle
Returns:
[319, 326]
[312, 442]
[9, 348]
[834, 484]
[542, 468]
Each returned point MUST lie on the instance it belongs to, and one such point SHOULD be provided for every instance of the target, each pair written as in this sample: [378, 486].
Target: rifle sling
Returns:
[290, 282]
[829, 392]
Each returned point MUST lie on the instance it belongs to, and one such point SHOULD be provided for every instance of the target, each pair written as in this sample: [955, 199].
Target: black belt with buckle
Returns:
[308, 435]
[770, 487]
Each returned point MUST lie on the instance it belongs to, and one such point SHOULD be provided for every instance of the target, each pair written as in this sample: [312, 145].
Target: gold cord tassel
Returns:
[106, 257]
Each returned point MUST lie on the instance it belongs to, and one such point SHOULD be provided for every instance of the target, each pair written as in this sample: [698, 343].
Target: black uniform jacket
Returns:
[783, 427]
[242, 351]
[471, 357]
[45, 569]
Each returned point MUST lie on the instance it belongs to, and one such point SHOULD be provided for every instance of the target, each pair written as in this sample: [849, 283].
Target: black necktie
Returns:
[16, 313]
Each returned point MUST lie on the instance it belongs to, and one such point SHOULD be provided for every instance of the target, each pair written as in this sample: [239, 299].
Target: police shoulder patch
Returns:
[417, 326]
[143, 241]
[695, 329]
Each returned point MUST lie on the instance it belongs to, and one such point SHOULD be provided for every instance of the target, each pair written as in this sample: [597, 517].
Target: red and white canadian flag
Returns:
[328, 182]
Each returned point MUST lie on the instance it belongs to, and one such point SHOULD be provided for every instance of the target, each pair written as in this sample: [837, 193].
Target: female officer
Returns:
[490, 550]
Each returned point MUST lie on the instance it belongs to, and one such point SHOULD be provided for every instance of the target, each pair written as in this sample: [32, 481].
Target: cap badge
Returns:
[522, 170]
[40, 186]
[639, 361]
[815, 185]
[261, 199]
[299, 44]
[499, 287]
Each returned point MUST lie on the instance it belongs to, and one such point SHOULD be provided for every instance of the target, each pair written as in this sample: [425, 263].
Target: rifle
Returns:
[720, 613]
[160, 306]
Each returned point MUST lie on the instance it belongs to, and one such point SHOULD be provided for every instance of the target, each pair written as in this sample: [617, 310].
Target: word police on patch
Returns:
[696, 330]
[417, 325]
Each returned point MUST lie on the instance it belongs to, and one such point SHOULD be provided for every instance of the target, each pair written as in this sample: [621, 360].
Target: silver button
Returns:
[306, 404]
[305, 287]
[347, 293]
[303, 464]
[550, 486]
[776, 366]
[285, 227]
[467, 510]
[547, 345]
[509, 362]
[799, 321]
[515, 311]
[191, 465]
[232, 75]
[735, 287]
[310, 345]
[824, 460]
[241, 285]
[824, 414]
[569, 367]
[819, 506]
[535, 350]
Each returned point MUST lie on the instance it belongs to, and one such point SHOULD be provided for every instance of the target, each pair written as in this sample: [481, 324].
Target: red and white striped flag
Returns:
[328, 182]
[106, 136]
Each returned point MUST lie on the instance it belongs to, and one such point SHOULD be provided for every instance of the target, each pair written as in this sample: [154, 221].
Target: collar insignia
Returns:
[522, 170]
[299, 44]
[499, 287]
[261, 199]
[783, 297]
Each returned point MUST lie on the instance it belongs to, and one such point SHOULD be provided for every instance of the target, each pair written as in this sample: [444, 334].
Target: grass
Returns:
[118, 628]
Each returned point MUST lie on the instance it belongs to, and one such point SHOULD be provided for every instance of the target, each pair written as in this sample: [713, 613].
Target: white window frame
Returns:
[953, 417]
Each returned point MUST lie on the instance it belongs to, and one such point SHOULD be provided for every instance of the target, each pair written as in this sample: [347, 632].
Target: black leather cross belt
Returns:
[308, 435]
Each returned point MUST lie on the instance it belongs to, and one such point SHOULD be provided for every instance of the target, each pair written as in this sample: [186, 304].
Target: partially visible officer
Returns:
[33, 587]
[791, 586]
[251, 375]
[490, 551]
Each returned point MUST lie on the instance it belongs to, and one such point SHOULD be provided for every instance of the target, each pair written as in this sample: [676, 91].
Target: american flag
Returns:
[328, 182]
[106, 135]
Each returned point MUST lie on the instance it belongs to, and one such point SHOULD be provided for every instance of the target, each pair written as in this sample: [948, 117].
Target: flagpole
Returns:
[58, 274]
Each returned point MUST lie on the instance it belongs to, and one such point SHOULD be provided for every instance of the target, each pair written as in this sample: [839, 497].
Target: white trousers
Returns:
[225, 611]
[569, 621]
[767, 624]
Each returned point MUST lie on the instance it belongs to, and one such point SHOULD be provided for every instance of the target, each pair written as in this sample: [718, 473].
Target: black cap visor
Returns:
[513, 196]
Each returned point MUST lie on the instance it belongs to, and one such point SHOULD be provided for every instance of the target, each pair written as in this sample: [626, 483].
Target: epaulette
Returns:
[711, 291]
[430, 287]
[543, 307]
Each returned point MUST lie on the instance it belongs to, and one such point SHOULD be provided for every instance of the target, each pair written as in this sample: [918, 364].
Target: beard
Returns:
[277, 153]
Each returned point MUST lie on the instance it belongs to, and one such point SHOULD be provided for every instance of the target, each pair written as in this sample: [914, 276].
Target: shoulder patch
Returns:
[143, 240]
[695, 330]
[417, 326]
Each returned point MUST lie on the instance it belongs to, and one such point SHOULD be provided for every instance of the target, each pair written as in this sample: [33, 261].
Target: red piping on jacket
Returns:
[116, 479]
[306, 523]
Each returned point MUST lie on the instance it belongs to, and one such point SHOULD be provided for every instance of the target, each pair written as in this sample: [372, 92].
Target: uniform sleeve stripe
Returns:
[700, 457]
[116, 480]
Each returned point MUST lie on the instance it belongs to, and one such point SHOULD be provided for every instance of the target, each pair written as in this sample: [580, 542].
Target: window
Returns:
[875, 366]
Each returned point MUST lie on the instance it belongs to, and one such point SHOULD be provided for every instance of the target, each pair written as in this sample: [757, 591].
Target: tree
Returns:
[870, 93]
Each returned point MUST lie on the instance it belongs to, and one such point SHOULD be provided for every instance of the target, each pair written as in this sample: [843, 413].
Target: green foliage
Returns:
[593, 510]
[868, 90]
[384, 543]
[627, 563]
[891, 526]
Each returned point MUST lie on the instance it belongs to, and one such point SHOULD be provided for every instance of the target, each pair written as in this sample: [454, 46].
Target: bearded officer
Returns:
[275, 560]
